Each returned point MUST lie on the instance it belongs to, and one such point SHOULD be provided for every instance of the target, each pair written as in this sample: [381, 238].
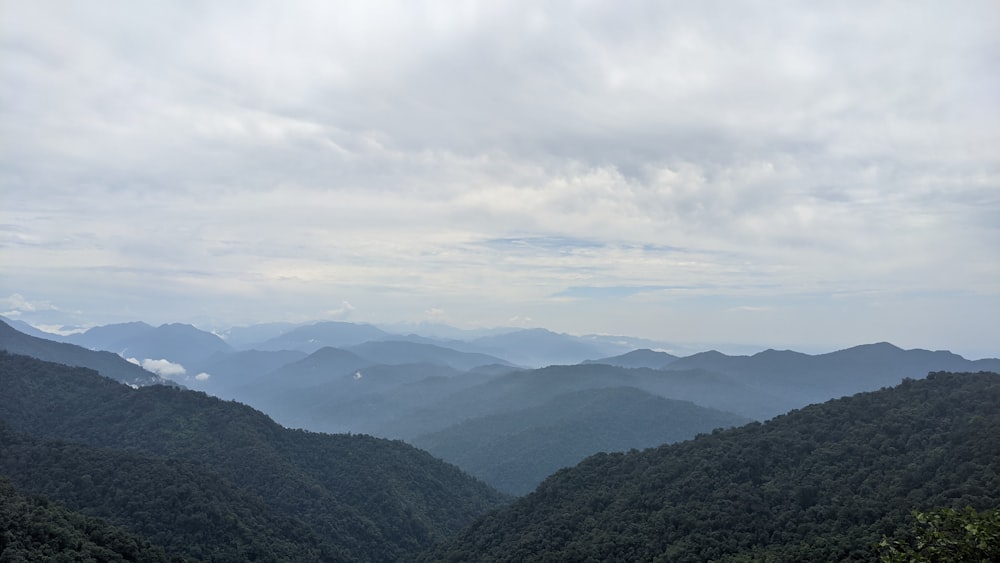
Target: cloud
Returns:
[203, 376]
[164, 368]
[494, 157]
[20, 305]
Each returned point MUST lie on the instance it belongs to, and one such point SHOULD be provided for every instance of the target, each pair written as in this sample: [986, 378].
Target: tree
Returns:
[947, 535]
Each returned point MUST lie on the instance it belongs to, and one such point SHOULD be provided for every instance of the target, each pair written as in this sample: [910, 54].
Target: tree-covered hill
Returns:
[34, 529]
[372, 499]
[514, 451]
[184, 507]
[823, 483]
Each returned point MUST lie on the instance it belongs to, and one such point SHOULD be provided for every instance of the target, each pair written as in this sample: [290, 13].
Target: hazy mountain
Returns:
[812, 378]
[642, 358]
[109, 337]
[515, 450]
[237, 369]
[245, 337]
[178, 343]
[531, 388]
[402, 352]
[312, 337]
[370, 499]
[536, 347]
[25, 328]
[107, 364]
[823, 483]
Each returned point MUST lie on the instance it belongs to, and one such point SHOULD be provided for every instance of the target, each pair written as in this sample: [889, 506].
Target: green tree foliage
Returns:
[946, 535]
[824, 483]
[33, 529]
[371, 499]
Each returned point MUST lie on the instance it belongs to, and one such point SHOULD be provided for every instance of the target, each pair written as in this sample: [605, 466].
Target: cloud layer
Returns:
[681, 171]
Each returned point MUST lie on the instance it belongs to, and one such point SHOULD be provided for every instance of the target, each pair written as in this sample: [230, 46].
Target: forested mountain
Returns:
[515, 450]
[227, 372]
[108, 337]
[183, 507]
[107, 364]
[823, 483]
[368, 498]
[35, 529]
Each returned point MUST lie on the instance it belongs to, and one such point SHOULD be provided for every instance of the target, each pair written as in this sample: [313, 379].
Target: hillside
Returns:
[107, 364]
[371, 499]
[515, 450]
[35, 529]
[823, 483]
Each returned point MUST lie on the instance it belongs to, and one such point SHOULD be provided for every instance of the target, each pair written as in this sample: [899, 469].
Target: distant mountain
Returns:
[238, 369]
[823, 483]
[367, 498]
[515, 450]
[26, 328]
[108, 337]
[531, 388]
[333, 334]
[536, 347]
[402, 352]
[245, 337]
[178, 343]
[806, 378]
[642, 358]
[107, 364]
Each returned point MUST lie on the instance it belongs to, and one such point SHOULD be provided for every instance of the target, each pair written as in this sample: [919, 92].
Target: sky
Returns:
[786, 174]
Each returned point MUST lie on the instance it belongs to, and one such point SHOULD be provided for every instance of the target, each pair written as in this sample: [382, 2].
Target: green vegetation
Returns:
[824, 483]
[34, 529]
[357, 497]
[514, 451]
[947, 535]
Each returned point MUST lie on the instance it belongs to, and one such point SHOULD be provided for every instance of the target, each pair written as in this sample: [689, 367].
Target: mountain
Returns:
[108, 337]
[226, 372]
[145, 493]
[179, 343]
[531, 388]
[823, 483]
[38, 530]
[807, 378]
[107, 364]
[515, 450]
[642, 358]
[403, 352]
[26, 328]
[536, 347]
[245, 337]
[312, 337]
[370, 499]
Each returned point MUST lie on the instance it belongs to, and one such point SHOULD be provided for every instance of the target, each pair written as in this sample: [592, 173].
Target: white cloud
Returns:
[375, 152]
[203, 376]
[164, 368]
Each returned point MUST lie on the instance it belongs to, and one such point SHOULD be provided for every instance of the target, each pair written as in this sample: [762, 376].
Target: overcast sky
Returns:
[810, 175]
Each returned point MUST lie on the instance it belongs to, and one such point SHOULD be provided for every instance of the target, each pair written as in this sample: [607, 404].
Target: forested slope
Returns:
[823, 483]
[371, 499]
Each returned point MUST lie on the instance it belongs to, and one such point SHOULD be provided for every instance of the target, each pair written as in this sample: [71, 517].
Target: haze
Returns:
[785, 174]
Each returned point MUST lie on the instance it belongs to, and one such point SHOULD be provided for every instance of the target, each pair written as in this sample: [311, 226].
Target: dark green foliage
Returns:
[947, 535]
[184, 507]
[823, 483]
[371, 499]
[34, 529]
[514, 451]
